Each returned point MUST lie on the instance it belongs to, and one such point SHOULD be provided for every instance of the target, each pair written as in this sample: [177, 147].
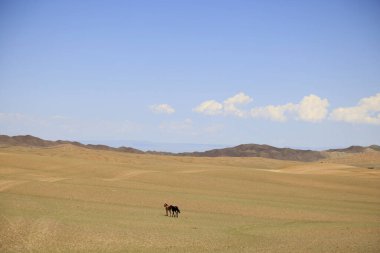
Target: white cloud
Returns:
[209, 107]
[367, 111]
[311, 109]
[228, 107]
[162, 108]
[239, 98]
[272, 112]
[230, 104]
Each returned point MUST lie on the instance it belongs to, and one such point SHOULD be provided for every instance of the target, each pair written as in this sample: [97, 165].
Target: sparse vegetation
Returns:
[72, 199]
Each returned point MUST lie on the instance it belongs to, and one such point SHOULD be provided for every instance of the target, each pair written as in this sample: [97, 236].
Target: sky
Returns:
[180, 75]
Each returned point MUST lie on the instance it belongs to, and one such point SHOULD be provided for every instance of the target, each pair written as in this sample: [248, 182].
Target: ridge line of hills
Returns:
[243, 150]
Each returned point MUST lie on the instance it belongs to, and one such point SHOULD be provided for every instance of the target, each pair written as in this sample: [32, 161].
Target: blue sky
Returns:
[285, 73]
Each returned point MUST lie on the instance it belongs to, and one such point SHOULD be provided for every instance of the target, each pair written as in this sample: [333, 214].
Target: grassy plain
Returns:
[71, 199]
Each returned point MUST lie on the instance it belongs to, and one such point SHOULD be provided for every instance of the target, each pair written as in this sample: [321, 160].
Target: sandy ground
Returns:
[70, 199]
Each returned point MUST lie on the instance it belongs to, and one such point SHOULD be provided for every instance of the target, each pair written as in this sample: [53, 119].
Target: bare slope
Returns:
[31, 141]
[355, 149]
[244, 150]
[255, 150]
[73, 199]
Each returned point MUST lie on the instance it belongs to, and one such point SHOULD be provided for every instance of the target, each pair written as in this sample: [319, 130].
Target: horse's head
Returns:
[165, 205]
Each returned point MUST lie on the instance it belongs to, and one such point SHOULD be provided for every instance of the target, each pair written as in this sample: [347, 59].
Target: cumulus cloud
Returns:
[367, 111]
[209, 107]
[230, 104]
[239, 98]
[228, 107]
[162, 108]
[311, 109]
[272, 112]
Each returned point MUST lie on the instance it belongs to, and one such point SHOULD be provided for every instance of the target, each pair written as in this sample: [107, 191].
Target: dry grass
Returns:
[70, 199]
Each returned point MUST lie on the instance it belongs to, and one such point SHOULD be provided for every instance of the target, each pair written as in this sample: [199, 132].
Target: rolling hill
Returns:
[266, 151]
[32, 141]
[69, 198]
[243, 150]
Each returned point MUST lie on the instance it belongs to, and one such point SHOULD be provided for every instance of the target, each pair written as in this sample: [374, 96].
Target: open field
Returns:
[72, 199]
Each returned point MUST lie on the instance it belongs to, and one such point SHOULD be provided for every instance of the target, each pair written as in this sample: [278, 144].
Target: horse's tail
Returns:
[179, 210]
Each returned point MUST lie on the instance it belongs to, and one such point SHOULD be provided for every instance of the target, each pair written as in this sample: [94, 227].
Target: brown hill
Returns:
[31, 141]
[266, 151]
[351, 149]
[375, 147]
[24, 140]
[244, 150]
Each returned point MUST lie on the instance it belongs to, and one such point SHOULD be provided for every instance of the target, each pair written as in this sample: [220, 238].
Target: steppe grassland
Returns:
[71, 199]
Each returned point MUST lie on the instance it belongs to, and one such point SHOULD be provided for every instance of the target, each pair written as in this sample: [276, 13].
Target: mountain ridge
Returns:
[32, 141]
[242, 150]
[265, 151]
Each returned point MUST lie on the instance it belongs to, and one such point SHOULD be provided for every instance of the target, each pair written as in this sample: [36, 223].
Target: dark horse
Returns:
[171, 210]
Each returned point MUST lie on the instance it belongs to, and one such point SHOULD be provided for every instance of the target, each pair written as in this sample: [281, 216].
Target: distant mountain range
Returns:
[244, 150]
[356, 149]
[31, 141]
[266, 151]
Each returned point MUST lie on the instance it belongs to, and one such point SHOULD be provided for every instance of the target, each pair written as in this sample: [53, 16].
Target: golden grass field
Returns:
[71, 199]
